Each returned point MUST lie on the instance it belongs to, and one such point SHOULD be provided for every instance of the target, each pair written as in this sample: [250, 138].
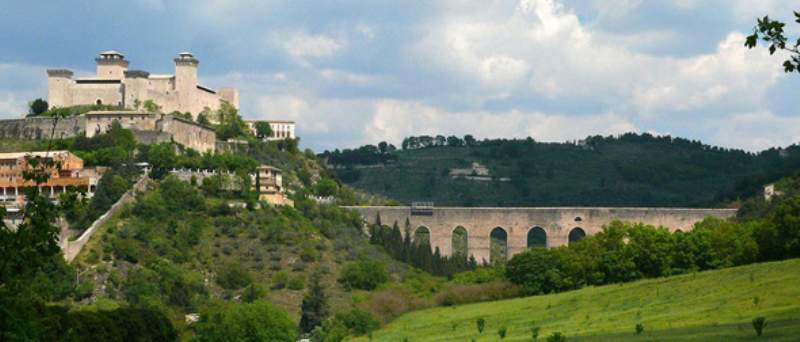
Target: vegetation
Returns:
[418, 252]
[257, 321]
[37, 107]
[714, 305]
[772, 32]
[627, 170]
[625, 252]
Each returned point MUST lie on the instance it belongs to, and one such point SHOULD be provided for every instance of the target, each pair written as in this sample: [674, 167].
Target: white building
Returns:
[114, 84]
[281, 129]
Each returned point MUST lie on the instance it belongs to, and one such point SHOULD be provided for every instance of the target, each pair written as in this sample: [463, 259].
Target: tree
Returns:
[364, 274]
[263, 130]
[314, 309]
[771, 32]
[758, 324]
[229, 123]
[470, 141]
[37, 107]
[537, 271]
[151, 106]
[257, 321]
[31, 256]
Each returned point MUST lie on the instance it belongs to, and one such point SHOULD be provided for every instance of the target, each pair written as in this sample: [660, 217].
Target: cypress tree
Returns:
[315, 305]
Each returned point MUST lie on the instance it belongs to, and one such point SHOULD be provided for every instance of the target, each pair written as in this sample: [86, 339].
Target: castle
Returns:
[115, 85]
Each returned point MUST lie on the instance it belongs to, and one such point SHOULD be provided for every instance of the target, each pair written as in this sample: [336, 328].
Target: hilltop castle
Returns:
[115, 85]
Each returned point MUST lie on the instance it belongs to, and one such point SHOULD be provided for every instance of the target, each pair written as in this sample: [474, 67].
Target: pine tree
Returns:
[315, 305]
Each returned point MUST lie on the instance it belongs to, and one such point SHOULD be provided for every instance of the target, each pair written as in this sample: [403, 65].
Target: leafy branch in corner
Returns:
[772, 32]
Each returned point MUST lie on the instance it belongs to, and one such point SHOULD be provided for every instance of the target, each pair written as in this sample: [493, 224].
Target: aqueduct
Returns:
[521, 228]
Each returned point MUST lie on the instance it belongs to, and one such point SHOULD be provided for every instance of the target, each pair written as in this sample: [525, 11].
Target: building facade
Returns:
[281, 129]
[70, 175]
[115, 85]
[269, 185]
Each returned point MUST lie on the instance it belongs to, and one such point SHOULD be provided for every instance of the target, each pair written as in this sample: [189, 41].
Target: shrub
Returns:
[257, 321]
[639, 328]
[359, 322]
[388, 304]
[233, 276]
[557, 337]
[537, 271]
[502, 332]
[83, 290]
[480, 323]
[296, 283]
[534, 331]
[280, 279]
[759, 323]
[465, 294]
[364, 275]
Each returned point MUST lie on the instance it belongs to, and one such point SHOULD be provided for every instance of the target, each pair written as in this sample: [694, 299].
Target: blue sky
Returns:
[355, 72]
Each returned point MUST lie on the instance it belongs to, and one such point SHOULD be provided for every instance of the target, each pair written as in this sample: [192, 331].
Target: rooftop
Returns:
[40, 154]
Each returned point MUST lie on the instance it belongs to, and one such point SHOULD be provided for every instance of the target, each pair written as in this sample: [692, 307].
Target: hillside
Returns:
[706, 306]
[629, 170]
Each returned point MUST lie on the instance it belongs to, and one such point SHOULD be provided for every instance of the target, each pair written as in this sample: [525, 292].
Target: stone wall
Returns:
[71, 249]
[516, 222]
[41, 127]
[189, 134]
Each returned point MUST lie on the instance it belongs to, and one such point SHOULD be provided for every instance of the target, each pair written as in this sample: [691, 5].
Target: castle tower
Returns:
[185, 79]
[111, 65]
[59, 87]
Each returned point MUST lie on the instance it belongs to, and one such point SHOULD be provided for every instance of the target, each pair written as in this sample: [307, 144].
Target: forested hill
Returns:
[627, 170]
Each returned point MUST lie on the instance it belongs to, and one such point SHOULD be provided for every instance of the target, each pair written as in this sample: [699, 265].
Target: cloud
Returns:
[359, 72]
[394, 120]
[301, 45]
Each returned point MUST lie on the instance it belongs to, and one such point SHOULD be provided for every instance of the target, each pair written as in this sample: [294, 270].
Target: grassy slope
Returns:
[708, 306]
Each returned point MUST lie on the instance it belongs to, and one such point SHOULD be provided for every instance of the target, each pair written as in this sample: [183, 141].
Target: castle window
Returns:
[99, 101]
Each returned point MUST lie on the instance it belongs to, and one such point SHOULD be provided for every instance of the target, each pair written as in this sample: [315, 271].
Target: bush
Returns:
[388, 304]
[122, 324]
[364, 275]
[759, 323]
[280, 279]
[233, 276]
[84, 290]
[502, 332]
[557, 337]
[537, 271]
[358, 322]
[296, 283]
[465, 294]
[480, 324]
[257, 321]
[639, 328]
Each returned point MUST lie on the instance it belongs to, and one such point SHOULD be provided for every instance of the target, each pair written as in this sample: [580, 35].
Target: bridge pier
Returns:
[557, 223]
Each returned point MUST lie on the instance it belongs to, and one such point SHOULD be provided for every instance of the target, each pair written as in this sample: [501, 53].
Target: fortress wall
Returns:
[189, 134]
[89, 93]
[556, 222]
[41, 128]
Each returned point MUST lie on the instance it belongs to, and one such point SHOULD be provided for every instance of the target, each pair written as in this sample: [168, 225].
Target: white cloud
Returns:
[301, 45]
[393, 120]
[756, 131]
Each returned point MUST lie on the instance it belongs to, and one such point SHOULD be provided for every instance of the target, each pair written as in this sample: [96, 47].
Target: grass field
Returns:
[708, 306]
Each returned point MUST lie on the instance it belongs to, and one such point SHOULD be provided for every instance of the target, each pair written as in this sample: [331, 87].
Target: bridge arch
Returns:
[498, 245]
[422, 235]
[576, 234]
[460, 242]
[537, 237]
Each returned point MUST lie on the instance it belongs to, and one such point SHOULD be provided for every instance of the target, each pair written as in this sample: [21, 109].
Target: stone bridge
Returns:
[472, 229]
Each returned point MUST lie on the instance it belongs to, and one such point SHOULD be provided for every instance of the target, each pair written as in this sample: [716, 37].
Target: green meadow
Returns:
[706, 306]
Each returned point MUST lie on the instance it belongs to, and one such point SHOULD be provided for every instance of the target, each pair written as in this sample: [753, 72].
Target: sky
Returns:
[356, 72]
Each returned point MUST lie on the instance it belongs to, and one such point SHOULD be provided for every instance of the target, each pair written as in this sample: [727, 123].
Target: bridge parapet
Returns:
[519, 223]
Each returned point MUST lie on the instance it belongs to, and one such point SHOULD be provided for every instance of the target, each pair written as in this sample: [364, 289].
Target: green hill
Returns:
[708, 306]
[629, 170]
